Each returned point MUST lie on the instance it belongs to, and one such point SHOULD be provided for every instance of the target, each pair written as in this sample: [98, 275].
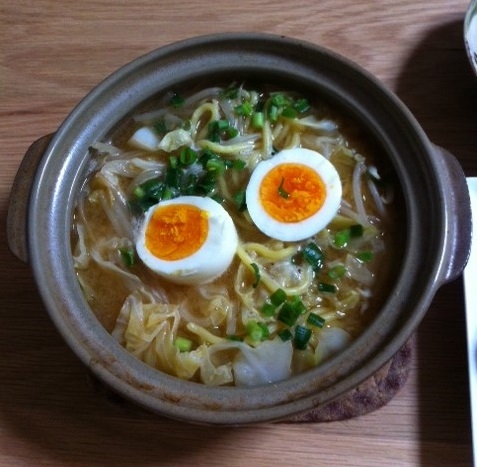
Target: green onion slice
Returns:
[278, 297]
[365, 256]
[302, 336]
[341, 238]
[281, 191]
[290, 311]
[187, 156]
[285, 335]
[356, 230]
[315, 320]
[239, 199]
[337, 271]
[313, 254]
[128, 257]
[256, 272]
[268, 309]
[289, 112]
[183, 344]
[258, 120]
[301, 105]
[325, 287]
[257, 331]
[177, 100]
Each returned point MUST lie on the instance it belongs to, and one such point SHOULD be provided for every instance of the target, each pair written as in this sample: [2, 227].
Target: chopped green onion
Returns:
[206, 184]
[245, 109]
[315, 320]
[301, 105]
[356, 230]
[149, 188]
[289, 112]
[166, 193]
[188, 156]
[222, 125]
[256, 272]
[268, 309]
[302, 336]
[139, 192]
[231, 92]
[217, 128]
[173, 177]
[285, 335]
[337, 271]
[177, 100]
[281, 191]
[239, 164]
[341, 238]
[127, 255]
[183, 344]
[325, 287]
[272, 113]
[258, 120]
[239, 199]
[160, 127]
[280, 100]
[231, 132]
[235, 338]
[147, 194]
[297, 304]
[313, 255]
[290, 311]
[278, 297]
[365, 256]
[257, 331]
[189, 184]
[215, 165]
[287, 314]
[173, 162]
[207, 154]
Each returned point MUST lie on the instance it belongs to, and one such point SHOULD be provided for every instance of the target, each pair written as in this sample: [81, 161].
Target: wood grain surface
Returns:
[51, 413]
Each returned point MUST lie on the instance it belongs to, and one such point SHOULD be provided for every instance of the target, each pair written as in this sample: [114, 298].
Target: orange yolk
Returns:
[176, 231]
[292, 192]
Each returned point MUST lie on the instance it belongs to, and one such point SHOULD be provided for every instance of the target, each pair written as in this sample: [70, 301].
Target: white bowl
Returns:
[470, 34]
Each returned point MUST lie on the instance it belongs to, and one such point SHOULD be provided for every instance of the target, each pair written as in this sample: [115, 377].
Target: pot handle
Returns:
[459, 220]
[17, 223]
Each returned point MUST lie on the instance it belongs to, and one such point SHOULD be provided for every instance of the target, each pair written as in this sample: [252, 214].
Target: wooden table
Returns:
[52, 54]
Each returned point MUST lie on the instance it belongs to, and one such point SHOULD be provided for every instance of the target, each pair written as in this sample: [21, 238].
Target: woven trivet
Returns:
[369, 396]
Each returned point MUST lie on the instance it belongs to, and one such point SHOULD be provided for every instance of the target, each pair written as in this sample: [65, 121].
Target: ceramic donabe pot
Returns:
[437, 211]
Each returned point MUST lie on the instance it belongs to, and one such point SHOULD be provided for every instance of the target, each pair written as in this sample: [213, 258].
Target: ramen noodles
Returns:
[236, 236]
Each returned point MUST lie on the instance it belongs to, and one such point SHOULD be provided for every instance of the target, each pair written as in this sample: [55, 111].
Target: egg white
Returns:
[213, 257]
[294, 231]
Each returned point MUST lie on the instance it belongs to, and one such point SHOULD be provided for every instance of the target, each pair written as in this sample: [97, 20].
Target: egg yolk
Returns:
[292, 192]
[176, 231]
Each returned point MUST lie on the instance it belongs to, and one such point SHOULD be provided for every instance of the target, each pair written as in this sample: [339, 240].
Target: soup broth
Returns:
[282, 306]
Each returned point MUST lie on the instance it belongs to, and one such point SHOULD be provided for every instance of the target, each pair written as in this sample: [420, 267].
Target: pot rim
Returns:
[59, 177]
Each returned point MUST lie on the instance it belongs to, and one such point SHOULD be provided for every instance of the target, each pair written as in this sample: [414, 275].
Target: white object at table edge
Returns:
[470, 283]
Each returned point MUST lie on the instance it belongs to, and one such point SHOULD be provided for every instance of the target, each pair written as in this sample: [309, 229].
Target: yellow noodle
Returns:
[268, 281]
[270, 253]
[205, 335]
[198, 118]
[239, 149]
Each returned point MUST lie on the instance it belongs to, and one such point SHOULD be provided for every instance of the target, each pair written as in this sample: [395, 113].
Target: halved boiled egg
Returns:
[293, 195]
[187, 240]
